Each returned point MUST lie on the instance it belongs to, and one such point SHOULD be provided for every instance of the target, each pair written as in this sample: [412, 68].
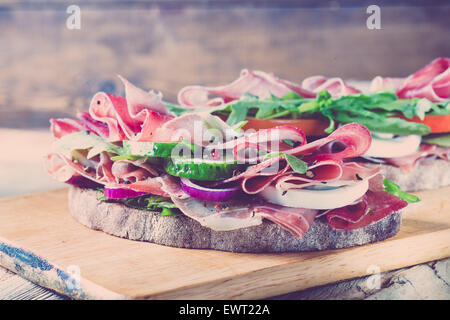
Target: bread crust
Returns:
[181, 231]
[427, 175]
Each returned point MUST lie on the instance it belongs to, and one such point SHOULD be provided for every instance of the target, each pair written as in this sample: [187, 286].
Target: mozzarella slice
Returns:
[317, 199]
[395, 147]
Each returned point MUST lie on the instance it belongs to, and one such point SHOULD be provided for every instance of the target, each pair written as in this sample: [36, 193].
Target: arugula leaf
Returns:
[393, 188]
[297, 165]
[176, 109]
[379, 123]
[291, 96]
[160, 204]
[374, 111]
[166, 212]
[239, 111]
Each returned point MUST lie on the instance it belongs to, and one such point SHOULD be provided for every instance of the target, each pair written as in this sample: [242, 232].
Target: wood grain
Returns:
[40, 241]
[48, 69]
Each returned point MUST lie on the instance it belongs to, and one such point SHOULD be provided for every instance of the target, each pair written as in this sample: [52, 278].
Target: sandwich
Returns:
[146, 169]
[409, 118]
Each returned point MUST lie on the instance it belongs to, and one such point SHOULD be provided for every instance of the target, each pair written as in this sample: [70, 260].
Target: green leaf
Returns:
[324, 98]
[167, 212]
[291, 96]
[375, 111]
[238, 112]
[297, 165]
[175, 109]
[393, 188]
[238, 126]
[376, 122]
[159, 201]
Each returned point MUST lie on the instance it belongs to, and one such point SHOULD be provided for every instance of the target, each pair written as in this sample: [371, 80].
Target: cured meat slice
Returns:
[238, 214]
[64, 170]
[431, 82]
[373, 207]
[335, 86]
[409, 162]
[257, 83]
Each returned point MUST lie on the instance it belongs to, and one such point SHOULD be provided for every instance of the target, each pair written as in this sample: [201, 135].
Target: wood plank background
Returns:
[48, 70]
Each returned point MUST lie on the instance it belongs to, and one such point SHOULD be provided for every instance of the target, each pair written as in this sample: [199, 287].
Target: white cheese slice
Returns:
[393, 147]
[317, 199]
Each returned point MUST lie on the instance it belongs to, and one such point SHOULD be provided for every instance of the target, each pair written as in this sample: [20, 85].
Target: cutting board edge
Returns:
[35, 268]
[438, 252]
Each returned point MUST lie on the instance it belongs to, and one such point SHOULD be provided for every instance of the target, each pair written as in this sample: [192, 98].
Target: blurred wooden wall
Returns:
[48, 70]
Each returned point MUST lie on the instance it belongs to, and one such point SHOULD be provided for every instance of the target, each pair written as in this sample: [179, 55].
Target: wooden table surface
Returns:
[22, 172]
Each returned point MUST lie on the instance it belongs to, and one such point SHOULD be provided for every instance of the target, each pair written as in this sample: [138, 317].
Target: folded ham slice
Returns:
[115, 118]
[409, 162]
[257, 83]
[431, 82]
[138, 115]
[335, 86]
[244, 214]
[66, 170]
[373, 207]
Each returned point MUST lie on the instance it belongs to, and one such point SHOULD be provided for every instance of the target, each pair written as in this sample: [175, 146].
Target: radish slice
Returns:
[122, 193]
[208, 194]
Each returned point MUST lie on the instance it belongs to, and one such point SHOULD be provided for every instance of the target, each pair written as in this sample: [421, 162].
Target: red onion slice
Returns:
[122, 193]
[82, 182]
[208, 194]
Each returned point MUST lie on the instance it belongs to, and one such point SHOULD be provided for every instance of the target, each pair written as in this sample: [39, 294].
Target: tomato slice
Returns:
[437, 123]
[311, 127]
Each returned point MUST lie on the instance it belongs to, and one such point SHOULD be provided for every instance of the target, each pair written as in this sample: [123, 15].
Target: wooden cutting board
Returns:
[41, 241]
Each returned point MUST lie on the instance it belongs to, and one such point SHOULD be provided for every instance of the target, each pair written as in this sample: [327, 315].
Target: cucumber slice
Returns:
[149, 149]
[201, 169]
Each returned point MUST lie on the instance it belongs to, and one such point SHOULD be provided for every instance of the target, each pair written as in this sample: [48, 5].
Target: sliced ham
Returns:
[129, 117]
[409, 162]
[326, 167]
[200, 128]
[61, 127]
[373, 207]
[238, 214]
[257, 177]
[354, 140]
[218, 216]
[64, 169]
[380, 84]
[257, 83]
[115, 118]
[318, 174]
[335, 86]
[325, 172]
[431, 82]
[132, 170]
[97, 127]
[295, 220]
[104, 169]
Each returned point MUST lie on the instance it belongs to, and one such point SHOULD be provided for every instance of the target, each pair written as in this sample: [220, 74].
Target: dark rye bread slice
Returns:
[428, 175]
[184, 232]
